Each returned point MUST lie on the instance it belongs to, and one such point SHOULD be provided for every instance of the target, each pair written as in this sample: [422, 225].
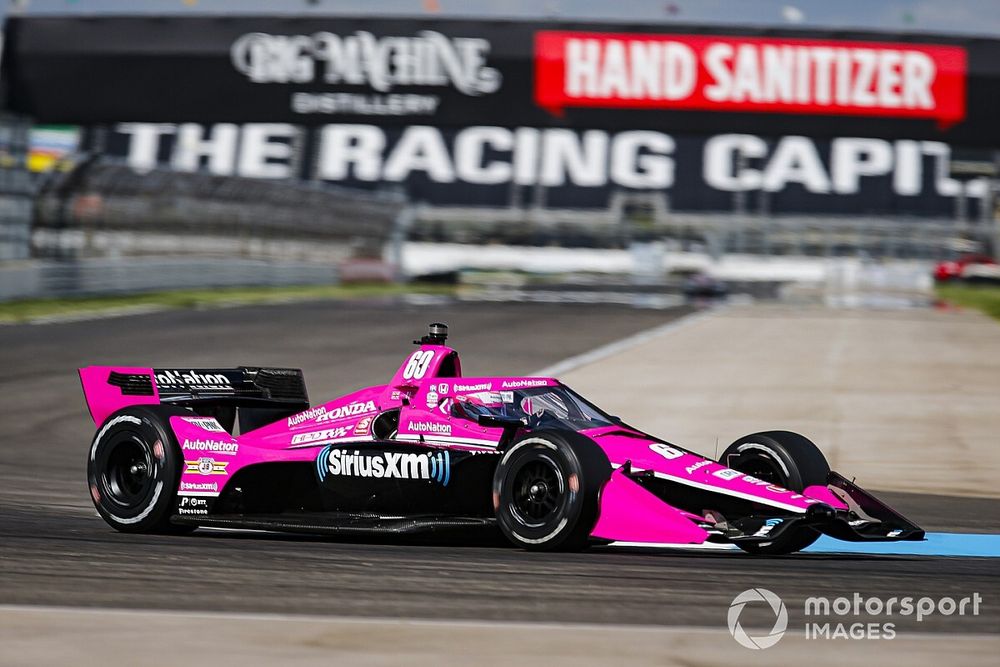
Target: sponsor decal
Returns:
[433, 466]
[206, 423]
[801, 76]
[432, 400]
[192, 379]
[206, 466]
[519, 384]
[767, 527]
[212, 487]
[361, 59]
[666, 451]
[321, 436]
[417, 365]
[727, 474]
[213, 446]
[695, 466]
[311, 413]
[482, 386]
[430, 427]
[363, 426]
[191, 505]
[349, 410]
[442, 388]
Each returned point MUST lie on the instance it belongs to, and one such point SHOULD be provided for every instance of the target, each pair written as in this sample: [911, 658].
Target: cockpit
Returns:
[535, 407]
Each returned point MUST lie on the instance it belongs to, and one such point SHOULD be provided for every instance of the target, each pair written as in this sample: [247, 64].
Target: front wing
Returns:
[630, 512]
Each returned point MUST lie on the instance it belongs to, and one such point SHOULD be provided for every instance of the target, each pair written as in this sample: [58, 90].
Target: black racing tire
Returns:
[133, 469]
[789, 460]
[546, 488]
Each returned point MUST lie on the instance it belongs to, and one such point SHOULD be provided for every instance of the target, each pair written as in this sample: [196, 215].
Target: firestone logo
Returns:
[362, 59]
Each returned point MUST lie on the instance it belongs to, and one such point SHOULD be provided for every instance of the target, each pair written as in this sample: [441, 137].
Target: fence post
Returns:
[400, 231]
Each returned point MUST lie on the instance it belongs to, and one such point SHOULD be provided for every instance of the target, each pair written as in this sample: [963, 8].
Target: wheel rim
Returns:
[537, 492]
[765, 469]
[127, 474]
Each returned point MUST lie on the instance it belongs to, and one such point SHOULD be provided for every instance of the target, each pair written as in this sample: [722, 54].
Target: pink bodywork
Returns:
[627, 512]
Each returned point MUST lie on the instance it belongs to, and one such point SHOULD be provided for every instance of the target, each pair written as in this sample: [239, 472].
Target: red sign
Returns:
[823, 77]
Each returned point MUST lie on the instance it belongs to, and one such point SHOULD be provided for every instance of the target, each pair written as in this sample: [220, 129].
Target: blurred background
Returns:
[759, 148]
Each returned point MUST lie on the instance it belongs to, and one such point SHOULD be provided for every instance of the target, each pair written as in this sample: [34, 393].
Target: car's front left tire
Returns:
[545, 490]
[133, 468]
[788, 460]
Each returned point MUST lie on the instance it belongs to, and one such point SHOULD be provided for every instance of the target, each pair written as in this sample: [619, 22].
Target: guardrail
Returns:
[104, 276]
[104, 195]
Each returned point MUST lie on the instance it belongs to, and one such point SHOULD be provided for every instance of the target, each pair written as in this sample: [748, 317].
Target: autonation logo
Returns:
[854, 617]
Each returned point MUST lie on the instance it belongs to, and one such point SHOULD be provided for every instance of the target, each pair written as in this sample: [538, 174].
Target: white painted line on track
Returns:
[88, 315]
[627, 343]
[272, 617]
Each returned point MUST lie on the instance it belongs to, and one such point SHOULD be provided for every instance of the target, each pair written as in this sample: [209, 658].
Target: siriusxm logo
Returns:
[434, 466]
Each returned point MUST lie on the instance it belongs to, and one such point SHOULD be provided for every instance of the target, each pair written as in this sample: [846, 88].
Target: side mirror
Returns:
[495, 421]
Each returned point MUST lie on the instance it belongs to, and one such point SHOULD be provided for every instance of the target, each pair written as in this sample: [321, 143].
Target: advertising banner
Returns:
[312, 71]
[482, 165]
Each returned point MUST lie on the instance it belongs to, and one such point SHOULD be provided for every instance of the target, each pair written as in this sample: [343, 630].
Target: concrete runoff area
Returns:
[905, 400]
[57, 636]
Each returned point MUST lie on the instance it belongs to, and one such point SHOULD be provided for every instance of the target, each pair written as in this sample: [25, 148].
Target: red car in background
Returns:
[959, 269]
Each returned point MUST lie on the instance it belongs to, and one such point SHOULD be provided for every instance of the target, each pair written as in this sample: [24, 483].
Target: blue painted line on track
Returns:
[936, 544]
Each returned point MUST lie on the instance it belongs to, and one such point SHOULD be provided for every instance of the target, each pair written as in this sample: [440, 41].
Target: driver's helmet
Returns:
[499, 403]
[549, 402]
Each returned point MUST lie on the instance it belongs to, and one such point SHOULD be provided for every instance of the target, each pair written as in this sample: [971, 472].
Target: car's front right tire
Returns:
[545, 490]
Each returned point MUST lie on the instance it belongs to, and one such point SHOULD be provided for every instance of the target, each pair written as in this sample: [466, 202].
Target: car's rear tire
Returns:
[133, 468]
[545, 490]
[788, 460]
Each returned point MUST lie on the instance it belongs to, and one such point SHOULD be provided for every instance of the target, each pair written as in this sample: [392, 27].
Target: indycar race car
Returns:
[433, 450]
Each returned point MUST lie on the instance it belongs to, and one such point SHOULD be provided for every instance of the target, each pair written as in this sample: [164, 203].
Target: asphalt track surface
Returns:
[54, 550]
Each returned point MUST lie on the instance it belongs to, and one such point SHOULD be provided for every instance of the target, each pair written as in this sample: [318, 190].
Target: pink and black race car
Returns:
[433, 450]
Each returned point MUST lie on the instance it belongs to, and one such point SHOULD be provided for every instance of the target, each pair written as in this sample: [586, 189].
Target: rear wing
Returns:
[110, 388]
